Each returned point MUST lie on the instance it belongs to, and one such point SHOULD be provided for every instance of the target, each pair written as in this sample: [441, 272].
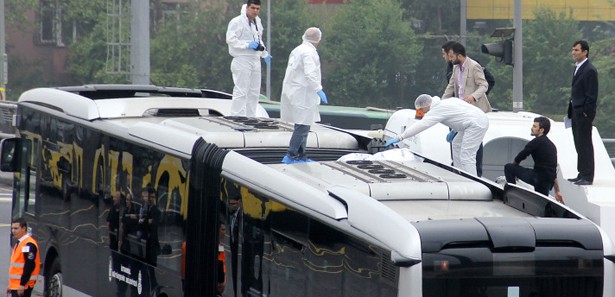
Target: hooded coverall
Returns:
[245, 67]
[469, 121]
[299, 101]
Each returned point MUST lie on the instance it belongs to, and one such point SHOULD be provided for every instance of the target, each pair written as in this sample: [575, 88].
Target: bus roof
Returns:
[396, 192]
[346, 117]
[176, 121]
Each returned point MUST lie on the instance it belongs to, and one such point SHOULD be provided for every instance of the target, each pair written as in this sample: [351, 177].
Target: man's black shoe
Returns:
[582, 182]
[574, 180]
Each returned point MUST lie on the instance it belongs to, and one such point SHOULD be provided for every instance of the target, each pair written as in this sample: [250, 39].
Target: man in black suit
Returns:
[582, 111]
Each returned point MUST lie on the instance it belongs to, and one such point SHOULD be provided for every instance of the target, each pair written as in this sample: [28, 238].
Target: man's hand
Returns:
[253, 45]
[323, 97]
[391, 141]
[559, 197]
[221, 287]
[470, 99]
[451, 135]
[20, 290]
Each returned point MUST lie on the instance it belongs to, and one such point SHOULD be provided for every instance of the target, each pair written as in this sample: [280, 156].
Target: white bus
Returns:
[388, 224]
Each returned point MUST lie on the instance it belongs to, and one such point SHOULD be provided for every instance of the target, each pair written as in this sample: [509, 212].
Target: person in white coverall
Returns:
[244, 39]
[302, 93]
[470, 122]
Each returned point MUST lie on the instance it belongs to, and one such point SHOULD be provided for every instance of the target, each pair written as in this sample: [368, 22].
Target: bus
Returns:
[159, 195]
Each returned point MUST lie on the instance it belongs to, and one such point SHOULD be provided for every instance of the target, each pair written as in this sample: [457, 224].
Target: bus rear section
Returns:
[494, 257]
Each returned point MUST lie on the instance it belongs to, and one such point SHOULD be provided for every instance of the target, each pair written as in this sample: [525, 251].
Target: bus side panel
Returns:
[68, 172]
[140, 248]
[287, 253]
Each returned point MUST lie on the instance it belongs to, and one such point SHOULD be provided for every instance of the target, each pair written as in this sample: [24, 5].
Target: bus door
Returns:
[17, 157]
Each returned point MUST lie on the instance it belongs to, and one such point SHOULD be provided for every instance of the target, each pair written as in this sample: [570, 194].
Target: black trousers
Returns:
[542, 184]
[26, 293]
[582, 135]
[479, 161]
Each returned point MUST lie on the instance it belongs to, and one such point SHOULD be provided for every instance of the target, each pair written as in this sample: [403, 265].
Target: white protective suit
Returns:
[246, 66]
[301, 83]
[469, 121]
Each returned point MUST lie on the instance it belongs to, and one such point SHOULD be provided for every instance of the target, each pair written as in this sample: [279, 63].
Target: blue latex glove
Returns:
[322, 96]
[253, 45]
[268, 59]
[391, 141]
[451, 135]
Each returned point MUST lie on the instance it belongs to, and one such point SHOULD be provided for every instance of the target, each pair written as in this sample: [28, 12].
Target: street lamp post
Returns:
[3, 63]
[268, 81]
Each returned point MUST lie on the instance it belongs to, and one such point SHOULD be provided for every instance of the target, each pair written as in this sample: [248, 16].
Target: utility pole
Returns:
[463, 16]
[518, 59]
[139, 42]
[268, 79]
[3, 59]
[511, 54]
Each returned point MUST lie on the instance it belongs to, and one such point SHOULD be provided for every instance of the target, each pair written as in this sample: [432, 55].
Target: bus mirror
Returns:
[8, 156]
[166, 249]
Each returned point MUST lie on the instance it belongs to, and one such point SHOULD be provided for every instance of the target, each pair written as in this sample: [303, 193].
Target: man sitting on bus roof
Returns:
[543, 176]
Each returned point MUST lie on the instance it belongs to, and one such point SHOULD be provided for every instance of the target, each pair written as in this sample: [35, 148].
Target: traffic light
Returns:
[502, 50]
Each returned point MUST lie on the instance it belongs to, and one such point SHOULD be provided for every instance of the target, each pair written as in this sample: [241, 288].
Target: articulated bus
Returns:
[160, 194]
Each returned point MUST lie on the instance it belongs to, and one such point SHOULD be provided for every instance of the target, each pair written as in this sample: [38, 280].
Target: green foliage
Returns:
[435, 16]
[548, 67]
[16, 13]
[371, 53]
[87, 58]
[286, 37]
[24, 80]
[602, 54]
[190, 51]
[547, 62]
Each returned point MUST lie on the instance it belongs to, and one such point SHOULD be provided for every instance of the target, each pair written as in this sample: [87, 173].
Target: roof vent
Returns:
[175, 112]
[256, 123]
[376, 169]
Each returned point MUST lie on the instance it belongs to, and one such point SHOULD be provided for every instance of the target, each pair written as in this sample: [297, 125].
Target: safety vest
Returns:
[18, 262]
[222, 260]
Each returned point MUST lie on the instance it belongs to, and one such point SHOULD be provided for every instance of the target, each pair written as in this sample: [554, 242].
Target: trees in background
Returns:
[379, 53]
[548, 67]
[547, 61]
[371, 54]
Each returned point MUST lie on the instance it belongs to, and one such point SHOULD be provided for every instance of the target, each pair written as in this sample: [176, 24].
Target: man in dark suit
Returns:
[582, 111]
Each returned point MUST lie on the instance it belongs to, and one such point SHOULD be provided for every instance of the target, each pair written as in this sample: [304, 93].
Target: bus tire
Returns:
[53, 280]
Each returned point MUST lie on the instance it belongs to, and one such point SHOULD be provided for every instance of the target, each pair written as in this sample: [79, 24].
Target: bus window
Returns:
[233, 212]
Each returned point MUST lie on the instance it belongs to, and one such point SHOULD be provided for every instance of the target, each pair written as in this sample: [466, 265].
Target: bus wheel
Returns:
[53, 280]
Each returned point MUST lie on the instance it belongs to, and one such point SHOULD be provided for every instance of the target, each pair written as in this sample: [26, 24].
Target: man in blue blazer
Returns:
[582, 111]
